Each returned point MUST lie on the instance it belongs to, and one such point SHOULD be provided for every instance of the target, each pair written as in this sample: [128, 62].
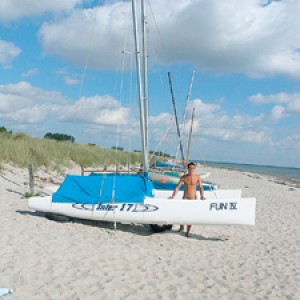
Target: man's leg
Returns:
[181, 228]
[188, 230]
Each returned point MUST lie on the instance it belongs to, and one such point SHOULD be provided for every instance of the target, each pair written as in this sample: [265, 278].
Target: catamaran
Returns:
[131, 198]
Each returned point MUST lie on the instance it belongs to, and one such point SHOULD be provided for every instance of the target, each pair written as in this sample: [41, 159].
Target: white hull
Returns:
[220, 207]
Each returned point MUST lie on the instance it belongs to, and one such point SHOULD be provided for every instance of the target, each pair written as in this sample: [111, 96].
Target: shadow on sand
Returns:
[31, 213]
[139, 229]
[193, 236]
[203, 238]
[15, 192]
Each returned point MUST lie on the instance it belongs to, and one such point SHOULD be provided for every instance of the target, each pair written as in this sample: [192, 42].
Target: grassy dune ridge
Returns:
[22, 150]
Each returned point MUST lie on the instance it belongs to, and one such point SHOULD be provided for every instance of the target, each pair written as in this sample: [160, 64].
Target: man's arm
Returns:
[181, 181]
[201, 189]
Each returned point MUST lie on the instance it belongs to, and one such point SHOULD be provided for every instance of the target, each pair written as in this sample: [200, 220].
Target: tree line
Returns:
[4, 130]
[59, 137]
[49, 135]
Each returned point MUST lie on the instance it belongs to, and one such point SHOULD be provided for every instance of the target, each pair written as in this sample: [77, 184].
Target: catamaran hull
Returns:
[230, 210]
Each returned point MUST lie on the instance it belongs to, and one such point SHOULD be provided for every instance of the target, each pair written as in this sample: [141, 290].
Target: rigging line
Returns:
[163, 138]
[182, 127]
[100, 194]
[156, 26]
[165, 50]
[161, 77]
[87, 58]
[130, 84]
[163, 82]
[187, 102]
[162, 43]
[121, 93]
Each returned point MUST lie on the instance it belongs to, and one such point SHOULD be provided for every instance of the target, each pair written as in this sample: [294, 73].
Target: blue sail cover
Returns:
[103, 188]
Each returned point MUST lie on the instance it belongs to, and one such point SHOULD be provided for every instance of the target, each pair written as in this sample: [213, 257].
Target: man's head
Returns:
[191, 167]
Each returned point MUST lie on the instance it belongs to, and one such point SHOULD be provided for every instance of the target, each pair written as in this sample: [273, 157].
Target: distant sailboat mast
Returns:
[190, 138]
[176, 118]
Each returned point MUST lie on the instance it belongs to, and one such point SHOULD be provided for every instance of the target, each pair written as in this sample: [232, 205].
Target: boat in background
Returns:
[167, 175]
[172, 175]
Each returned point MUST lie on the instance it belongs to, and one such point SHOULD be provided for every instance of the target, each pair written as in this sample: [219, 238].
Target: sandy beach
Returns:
[42, 259]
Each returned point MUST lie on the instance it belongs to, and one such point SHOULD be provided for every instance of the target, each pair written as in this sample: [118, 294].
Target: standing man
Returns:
[190, 181]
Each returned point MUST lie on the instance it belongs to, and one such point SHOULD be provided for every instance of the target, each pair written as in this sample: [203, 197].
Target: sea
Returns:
[285, 173]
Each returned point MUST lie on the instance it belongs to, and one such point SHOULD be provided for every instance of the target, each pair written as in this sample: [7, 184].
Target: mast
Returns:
[140, 90]
[190, 138]
[176, 119]
[145, 69]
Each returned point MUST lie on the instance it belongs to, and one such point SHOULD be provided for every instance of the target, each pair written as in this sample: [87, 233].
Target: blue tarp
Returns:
[103, 188]
[169, 166]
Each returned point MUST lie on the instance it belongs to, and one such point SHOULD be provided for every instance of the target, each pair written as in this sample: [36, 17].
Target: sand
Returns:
[42, 259]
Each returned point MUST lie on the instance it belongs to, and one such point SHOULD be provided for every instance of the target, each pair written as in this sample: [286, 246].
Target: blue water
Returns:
[280, 172]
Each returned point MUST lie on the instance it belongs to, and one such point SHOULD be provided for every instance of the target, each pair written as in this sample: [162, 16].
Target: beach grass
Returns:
[22, 150]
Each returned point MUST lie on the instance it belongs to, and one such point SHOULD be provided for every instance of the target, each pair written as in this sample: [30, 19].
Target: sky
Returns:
[69, 67]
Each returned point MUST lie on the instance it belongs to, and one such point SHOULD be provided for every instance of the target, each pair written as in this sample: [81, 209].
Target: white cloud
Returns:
[293, 106]
[11, 10]
[202, 108]
[162, 119]
[292, 141]
[33, 94]
[21, 109]
[242, 121]
[71, 81]
[286, 104]
[213, 123]
[10, 102]
[30, 73]
[31, 114]
[280, 98]
[257, 136]
[226, 36]
[24, 103]
[93, 36]
[232, 36]
[8, 52]
[102, 110]
[213, 115]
